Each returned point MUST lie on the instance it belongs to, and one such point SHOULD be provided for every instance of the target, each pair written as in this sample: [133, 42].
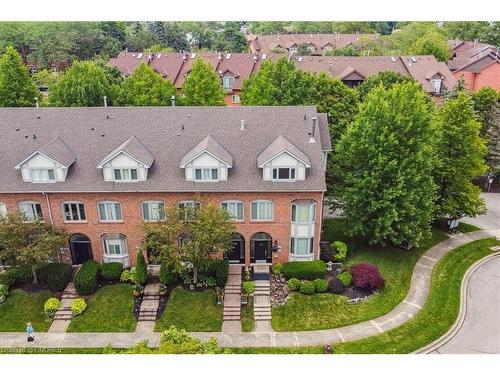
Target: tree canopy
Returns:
[432, 43]
[202, 86]
[17, 88]
[386, 79]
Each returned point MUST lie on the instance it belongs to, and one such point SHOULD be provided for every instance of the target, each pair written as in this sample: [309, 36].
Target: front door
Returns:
[261, 251]
[234, 255]
[80, 252]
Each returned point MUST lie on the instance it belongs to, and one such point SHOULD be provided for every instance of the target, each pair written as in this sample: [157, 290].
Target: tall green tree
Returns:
[382, 167]
[386, 79]
[31, 244]
[432, 43]
[202, 86]
[471, 30]
[485, 102]
[493, 140]
[83, 85]
[175, 37]
[231, 39]
[461, 154]
[17, 88]
[145, 87]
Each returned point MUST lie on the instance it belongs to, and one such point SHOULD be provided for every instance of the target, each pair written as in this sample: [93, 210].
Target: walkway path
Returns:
[149, 309]
[261, 299]
[416, 297]
[63, 316]
[232, 301]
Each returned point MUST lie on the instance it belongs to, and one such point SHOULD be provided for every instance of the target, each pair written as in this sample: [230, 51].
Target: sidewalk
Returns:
[415, 299]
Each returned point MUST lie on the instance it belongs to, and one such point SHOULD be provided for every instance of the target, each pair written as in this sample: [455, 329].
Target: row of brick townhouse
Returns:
[100, 172]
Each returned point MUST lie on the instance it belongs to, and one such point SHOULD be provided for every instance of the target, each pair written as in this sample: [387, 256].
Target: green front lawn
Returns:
[22, 307]
[110, 309]
[439, 312]
[247, 319]
[323, 311]
[191, 310]
[466, 228]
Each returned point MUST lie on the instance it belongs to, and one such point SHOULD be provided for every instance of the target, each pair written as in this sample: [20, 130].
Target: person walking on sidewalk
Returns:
[31, 332]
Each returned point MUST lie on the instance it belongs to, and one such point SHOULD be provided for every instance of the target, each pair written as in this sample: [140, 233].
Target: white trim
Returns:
[201, 153]
[32, 203]
[209, 179]
[262, 201]
[18, 166]
[242, 209]
[149, 202]
[73, 221]
[101, 164]
[109, 221]
[281, 153]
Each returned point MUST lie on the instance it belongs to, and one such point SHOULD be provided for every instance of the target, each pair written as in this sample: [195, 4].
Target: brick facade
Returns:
[278, 229]
[489, 76]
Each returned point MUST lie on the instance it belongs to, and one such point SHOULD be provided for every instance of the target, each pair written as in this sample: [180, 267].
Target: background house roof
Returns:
[168, 133]
[56, 150]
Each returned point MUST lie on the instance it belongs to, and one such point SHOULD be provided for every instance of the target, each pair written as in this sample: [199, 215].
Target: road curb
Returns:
[457, 325]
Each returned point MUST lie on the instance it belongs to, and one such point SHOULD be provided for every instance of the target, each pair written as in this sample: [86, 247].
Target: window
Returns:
[304, 213]
[262, 210]
[436, 85]
[234, 208]
[227, 82]
[30, 211]
[153, 211]
[302, 246]
[74, 211]
[283, 173]
[206, 174]
[125, 174]
[187, 209]
[110, 211]
[235, 99]
[42, 175]
[294, 49]
[3, 210]
[115, 249]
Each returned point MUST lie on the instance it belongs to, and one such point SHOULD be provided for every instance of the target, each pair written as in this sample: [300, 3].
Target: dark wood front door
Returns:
[81, 251]
[234, 255]
[262, 248]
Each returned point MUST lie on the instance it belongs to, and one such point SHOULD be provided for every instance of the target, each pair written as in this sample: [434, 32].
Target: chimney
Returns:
[172, 100]
[105, 101]
[313, 130]
[243, 125]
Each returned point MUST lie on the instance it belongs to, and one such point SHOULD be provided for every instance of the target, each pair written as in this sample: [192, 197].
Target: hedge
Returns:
[306, 287]
[320, 285]
[55, 275]
[111, 271]
[86, 278]
[309, 270]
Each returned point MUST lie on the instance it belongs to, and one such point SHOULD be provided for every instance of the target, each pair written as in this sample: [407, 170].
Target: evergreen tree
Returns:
[83, 85]
[141, 269]
[17, 89]
[203, 86]
[231, 39]
[382, 167]
[175, 37]
[461, 154]
[145, 87]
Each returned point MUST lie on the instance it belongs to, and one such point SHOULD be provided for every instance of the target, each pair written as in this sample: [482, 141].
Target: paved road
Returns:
[491, 220]
[480, 332]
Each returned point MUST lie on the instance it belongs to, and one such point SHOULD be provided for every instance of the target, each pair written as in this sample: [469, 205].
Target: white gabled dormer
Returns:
[48, 164]
[129, 162]
[208, 161]
[283, 161]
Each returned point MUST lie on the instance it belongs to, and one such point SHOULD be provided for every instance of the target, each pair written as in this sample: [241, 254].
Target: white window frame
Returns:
[436, 85]
[227, 78]
[34, 211]
[294, 49]
[3, 210]
[311, 208]
[129, 172]
[194, 205]
[290, 170]
[234, 100]
[121, 242]
[257, 202]
[79, 213]
[210, 174]
[42, 172]
[235, 205]
[106, 203]
[157, 213]
[293, 246]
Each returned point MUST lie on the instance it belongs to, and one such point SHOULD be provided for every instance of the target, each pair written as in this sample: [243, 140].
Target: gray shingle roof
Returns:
[135, 149]
[56, 150]
[168, 133]
[210, 145]
[278, 146]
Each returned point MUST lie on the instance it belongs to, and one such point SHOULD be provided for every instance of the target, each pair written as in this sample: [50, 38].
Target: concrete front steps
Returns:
[150, 303]
[232, 300]
[69, 294]
[262, 301]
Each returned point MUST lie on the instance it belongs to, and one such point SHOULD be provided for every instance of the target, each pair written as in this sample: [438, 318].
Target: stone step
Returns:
[262, 318]
[232, 318]
[232, 307]
[151, 298]
[261, 309]
[231, 313]
[147, 319]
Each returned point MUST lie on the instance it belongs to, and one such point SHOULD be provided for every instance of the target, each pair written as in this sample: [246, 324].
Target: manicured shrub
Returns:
[306, 287]
[8, 277]
[309, 270]
[221, 272]
[248, 287]
[278, 269]
[327, 253]
[366, 276]
[340, 251]
[111, 271]
[320, 285]
[55, 275]
[211, 282]
[294, 284]
[78, 306]
[126, 276]
[335, 286]
[168, 276]
[346, 278]
[86, 278]
[51, 306]
[141, 270]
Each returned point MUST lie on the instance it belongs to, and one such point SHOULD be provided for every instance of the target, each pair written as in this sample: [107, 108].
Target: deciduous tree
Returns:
[432, 43]
[202, 86]
[386, 79]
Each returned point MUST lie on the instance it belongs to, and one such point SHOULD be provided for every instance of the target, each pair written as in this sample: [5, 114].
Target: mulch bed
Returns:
[352, 292]
[137, 306]
[33, 288]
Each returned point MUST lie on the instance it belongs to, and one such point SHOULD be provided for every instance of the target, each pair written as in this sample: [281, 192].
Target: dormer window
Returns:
[125, 174]
[227, 82]
[284, 173]
[206, 174]
[42, 175]
[436, 85]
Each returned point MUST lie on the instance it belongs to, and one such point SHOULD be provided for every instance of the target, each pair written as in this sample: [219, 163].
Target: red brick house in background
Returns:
[477, 63]
[234, 68]
[100, 172]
